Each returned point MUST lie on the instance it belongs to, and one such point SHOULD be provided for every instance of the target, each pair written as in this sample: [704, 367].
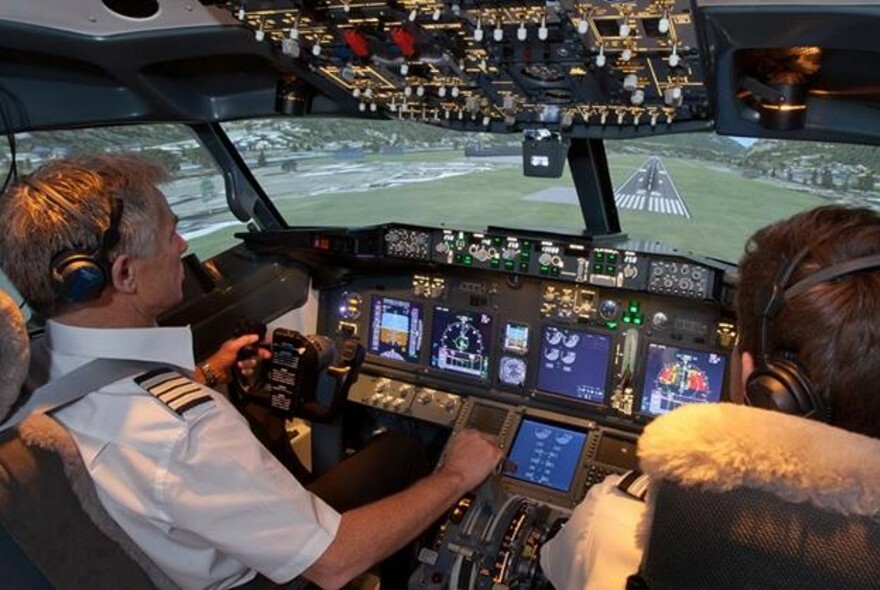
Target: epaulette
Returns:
[634, 484]
[175, 390]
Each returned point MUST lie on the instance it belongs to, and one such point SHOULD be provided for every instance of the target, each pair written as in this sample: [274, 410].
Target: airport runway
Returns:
[651, 189]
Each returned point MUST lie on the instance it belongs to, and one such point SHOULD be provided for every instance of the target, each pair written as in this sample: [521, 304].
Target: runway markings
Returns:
[650, 188]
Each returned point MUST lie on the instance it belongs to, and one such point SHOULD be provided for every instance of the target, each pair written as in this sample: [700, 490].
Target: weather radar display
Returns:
[396, 329]
[460, 342]
[677, 376]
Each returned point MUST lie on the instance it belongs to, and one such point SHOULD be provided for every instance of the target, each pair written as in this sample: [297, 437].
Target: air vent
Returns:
[140, 9]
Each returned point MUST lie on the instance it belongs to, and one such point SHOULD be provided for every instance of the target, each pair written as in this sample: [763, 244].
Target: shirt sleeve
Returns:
[597, 546]
[223, 486]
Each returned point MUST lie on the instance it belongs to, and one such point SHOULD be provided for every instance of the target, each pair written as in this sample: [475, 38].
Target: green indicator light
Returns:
[494, 263]
[611, 325]
[554, 270]
[524, 255]
[543, 269]
[639, 319]
[526, 243]
[627, 319]
[468, 259]
[458, 258]
[610, 269]
[634, 307]
[496, 240]
[597, 268]
[612, 258]
[524, 266]
[508, 264]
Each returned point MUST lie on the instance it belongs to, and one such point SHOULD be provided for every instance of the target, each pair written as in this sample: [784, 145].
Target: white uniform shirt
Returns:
[597, 546]
[197, 492]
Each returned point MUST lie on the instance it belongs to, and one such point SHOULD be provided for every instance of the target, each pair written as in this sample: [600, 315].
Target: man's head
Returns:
[67, 206]
[832, 329]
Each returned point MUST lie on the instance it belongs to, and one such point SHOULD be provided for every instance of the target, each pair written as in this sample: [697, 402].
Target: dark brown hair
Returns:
[833, 329]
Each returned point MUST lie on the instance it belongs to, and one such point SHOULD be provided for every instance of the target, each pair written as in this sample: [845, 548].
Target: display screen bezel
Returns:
[644, 375]
[600, 446]
[421, 336]
[488, 343]
[565, 396]
[578, 459]
[516, 349]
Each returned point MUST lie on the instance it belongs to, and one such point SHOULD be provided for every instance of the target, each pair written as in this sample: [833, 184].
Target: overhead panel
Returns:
[500, 66]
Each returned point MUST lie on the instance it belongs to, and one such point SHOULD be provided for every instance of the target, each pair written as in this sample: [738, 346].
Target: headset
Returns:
[778, 382]
[78, 274]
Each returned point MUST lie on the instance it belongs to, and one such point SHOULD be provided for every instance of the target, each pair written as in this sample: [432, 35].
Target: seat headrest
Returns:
[15, 352]
[719, 447]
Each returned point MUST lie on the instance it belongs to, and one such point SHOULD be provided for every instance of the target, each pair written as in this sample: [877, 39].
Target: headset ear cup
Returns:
[781, 385]
[78, 277]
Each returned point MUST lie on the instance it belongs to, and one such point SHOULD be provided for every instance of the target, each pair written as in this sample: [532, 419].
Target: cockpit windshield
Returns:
[696, 192]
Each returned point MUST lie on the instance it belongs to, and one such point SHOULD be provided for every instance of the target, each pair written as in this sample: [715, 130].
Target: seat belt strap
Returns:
[77, 384]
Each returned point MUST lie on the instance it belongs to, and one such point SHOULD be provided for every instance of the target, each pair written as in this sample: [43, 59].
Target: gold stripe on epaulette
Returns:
[178, 392]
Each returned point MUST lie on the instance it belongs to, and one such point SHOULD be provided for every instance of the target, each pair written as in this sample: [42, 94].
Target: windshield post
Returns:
[592, 182]
[245, 196]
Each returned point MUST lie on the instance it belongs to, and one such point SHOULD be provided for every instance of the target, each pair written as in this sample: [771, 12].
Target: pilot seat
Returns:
[54, 533]
[742, 497]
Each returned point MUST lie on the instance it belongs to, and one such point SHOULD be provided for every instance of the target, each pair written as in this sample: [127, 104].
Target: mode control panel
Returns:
[399, 397]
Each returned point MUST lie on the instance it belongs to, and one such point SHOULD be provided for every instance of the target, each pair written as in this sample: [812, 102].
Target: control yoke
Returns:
[301, 379]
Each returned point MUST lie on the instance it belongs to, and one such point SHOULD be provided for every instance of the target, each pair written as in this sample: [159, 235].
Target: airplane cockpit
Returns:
[521, 217]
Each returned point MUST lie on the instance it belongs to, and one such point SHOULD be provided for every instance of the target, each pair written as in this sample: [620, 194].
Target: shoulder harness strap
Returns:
[177, 391]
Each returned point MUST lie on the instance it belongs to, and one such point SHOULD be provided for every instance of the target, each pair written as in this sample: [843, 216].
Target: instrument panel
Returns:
[532, 339]
[589, 351]
[598, 331]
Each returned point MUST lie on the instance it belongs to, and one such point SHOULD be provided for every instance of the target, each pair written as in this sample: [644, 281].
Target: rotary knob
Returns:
[659, 320]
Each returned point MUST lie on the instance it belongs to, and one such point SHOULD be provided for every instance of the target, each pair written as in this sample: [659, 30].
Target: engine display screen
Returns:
[574, 363]
[461, 341]
[676, 376]
[546, 454]
[396, 329]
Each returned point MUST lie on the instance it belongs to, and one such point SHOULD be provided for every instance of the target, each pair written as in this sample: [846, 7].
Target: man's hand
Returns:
[223, 360]
[472, 456]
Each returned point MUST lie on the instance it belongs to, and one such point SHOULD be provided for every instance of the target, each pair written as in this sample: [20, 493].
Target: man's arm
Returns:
[371, 533]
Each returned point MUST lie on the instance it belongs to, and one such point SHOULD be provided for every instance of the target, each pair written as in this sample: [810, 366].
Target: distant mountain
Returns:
[699, 146]
[319, 134]
[767, 154]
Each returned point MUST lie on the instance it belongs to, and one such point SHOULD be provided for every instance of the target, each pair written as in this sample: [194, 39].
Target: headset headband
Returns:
[779, 294]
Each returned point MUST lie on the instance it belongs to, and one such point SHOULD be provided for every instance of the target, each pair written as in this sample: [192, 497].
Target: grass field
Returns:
[726, 207]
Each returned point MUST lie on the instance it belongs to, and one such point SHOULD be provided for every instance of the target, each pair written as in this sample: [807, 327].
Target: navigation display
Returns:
[574, 363]
[676, 376]
[460, 342]
[546, 454]
[396, 329]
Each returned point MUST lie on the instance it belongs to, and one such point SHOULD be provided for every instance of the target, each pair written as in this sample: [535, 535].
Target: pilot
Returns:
[172, 461]
[832, 330]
